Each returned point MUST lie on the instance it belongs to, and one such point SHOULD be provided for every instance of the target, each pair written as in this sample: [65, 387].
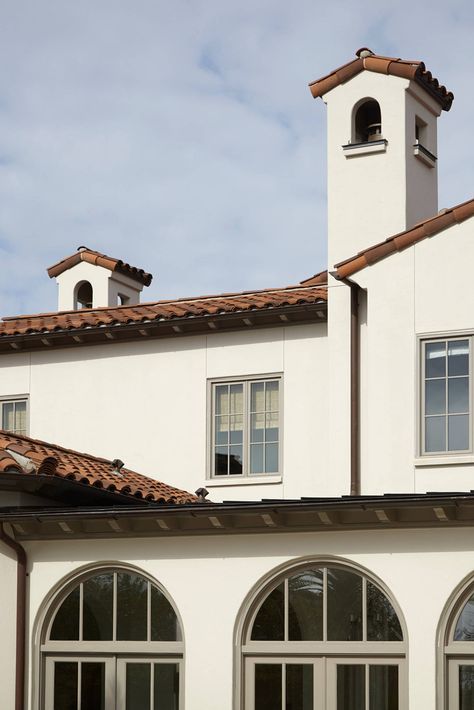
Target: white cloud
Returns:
[181, 136]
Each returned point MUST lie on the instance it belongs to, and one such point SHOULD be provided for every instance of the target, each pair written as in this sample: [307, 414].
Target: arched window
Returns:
[112, 641]
[323, 631]
[367, 122]
[458, 649]
[83, 297]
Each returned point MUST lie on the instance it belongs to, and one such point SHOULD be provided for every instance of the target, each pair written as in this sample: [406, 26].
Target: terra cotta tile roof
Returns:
[407, 69]
[22, 455]
[108, 262]
[399, 242]
[162, 310]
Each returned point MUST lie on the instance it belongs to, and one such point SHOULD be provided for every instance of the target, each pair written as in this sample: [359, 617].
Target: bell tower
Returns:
[382, 149]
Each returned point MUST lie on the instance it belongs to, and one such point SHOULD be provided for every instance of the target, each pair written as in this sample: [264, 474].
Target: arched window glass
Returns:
[114, 634]
[367, 122]
[83, 295]
[459, 651]
[324, 631]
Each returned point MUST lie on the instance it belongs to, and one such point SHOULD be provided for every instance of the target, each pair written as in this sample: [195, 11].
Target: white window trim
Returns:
[441, 458]
[16, 398]
[244, 478]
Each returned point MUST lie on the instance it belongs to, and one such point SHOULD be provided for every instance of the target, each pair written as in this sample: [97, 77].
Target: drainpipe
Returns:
[355, 384]
[20, 616]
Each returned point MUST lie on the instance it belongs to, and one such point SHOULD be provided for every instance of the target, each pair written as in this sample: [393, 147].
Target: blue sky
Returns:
[181, 136]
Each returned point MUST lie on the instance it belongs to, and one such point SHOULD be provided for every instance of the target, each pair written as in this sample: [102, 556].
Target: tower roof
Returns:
[107, 262]
[406, 69]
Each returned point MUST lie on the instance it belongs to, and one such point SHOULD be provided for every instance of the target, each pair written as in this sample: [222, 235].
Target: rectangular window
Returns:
[245, 427]
[446, 396]
[14, 415]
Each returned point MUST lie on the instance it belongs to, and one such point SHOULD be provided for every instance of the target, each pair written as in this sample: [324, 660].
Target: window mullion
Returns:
[114, 607]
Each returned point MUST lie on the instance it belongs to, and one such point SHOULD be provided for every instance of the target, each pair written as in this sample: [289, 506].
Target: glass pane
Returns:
[383, 687]
[305, 606]
[98, 608]
[269, 623]
[466, 687]
[137, 693]
[257, 397]
[236, 429]
[221, 461]
[164, 623]
[92, 686]
[8, 419]
[458, 432]
[271, 427]
[435, 359]
[235, 460]
[299, 687]
[458, 357]
[131, 607]
[344, 602]
[222, 430]
[271, 458]
[66, 622]
[257, 427]
[222, 399]
[351, 687]
[65, 686]
[271, 397]
[458, 395]
[236, 399]
[256, 458]
[166, 689]
[465, 626]
[435, 434]
[268, 695]
[20, 417]
[382, 621]
[435, 397]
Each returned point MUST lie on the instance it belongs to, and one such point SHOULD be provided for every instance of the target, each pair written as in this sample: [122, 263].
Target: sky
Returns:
[181, 136]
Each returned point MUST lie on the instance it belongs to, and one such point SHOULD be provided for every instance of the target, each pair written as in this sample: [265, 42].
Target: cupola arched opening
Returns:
[322, 633]
[83, 295]
[111, 639]
[366, 121]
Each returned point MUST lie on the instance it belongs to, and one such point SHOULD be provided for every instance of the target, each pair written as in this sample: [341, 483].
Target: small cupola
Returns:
[89, 279]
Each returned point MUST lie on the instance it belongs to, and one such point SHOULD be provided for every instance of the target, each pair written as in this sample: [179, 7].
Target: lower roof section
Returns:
[395, 511]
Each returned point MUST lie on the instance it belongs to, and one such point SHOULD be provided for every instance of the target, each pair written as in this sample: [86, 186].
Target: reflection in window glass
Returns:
[305, 606]
[466, 687]
[166, 686]
[65, 685]
[137, 693]
[164, 623]
[382, 620]
[350, 687]
[66, 622]
[268, 686]
[92, 686]
[383, 687]
[344, 602]
[132, 592]
[465, 627]
[98, 608]
[299, 686]
[269, 623]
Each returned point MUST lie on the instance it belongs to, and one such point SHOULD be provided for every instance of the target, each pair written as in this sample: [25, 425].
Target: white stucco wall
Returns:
[106, 285]
[146, 403]
[209, 579]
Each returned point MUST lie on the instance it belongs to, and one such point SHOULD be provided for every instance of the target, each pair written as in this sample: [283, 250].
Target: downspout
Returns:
[20, 616]
[355, 384]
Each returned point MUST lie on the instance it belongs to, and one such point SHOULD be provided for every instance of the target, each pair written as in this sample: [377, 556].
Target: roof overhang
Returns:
[387, 512]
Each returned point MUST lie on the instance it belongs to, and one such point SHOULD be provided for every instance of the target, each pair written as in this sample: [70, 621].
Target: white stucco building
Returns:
[326, 561]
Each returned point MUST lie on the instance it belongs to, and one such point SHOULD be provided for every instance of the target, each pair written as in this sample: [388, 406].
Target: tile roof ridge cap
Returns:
[440, 214]
[164, 302]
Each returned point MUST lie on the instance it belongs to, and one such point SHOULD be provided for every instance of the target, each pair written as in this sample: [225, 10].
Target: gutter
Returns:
[20, 617]
[355, 383]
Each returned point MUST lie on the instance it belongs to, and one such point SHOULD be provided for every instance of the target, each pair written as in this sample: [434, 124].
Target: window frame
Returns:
[445, 454]
[8, 399]
[245, 476]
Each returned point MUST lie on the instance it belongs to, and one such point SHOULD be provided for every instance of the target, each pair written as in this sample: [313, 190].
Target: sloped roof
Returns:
[367, 60]
[32, 458]
[95, 257]
[403, 240]
[186, 308]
